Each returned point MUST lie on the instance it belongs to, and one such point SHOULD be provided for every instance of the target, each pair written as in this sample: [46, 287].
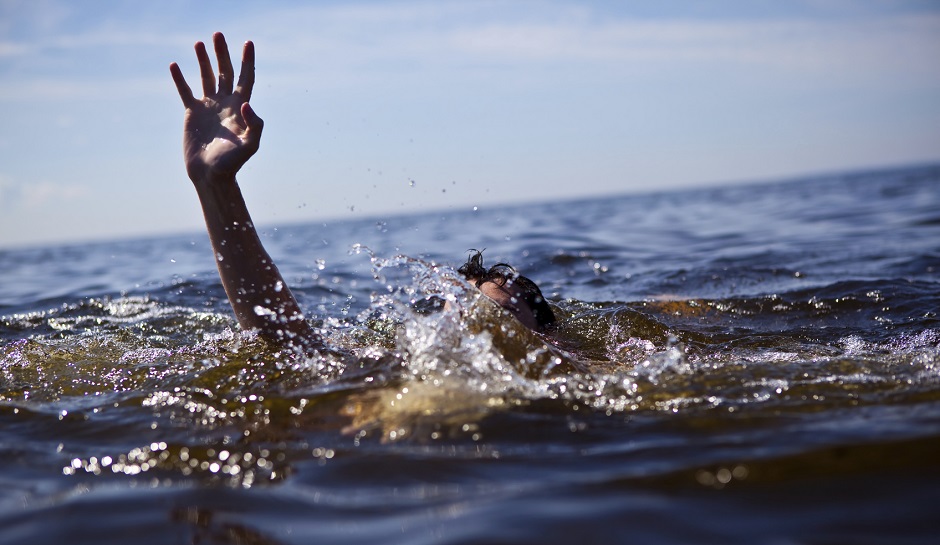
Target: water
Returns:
[751, 364]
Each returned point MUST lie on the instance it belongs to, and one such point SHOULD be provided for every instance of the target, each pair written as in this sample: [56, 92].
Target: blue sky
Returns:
[376, 108]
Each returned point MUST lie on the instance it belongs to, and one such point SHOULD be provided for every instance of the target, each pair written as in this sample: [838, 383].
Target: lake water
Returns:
[748, 364]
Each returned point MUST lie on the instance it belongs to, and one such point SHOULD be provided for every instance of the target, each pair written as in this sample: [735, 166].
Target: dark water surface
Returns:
[751, 364]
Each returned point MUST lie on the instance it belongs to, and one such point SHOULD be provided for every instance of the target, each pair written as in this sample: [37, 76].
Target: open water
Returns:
[750, 364]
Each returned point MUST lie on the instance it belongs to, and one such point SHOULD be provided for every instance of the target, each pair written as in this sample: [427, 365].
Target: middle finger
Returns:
[226, 72]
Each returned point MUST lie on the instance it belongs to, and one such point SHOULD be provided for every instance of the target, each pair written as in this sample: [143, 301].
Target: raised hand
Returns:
[220, 131]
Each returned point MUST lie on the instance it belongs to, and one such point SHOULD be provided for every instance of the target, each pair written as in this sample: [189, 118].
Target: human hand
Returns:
[220, 131]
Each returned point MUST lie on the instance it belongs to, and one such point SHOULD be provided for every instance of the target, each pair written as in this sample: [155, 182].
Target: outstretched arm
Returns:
[220, 133]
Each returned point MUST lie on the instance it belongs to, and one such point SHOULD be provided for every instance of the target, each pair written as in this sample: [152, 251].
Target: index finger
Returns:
[246, 78]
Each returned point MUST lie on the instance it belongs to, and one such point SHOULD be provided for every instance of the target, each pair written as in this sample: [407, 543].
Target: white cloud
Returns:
[20, 195]
[303, 41]
[43, 193]
[13, 49]
[55, 88]
[424, 35]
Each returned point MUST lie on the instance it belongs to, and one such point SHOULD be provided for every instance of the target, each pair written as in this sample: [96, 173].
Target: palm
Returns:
[214, 136]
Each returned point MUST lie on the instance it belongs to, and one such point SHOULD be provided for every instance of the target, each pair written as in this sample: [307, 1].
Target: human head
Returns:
[510, 290]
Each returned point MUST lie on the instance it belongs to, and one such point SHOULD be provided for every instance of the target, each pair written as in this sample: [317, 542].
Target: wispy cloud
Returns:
[809, 44]
[13, 49]
[20, 195]
[423, 35]
[72, 89]
[440, 35]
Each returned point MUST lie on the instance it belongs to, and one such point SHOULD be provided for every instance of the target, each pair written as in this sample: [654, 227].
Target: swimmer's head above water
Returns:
[519, 295]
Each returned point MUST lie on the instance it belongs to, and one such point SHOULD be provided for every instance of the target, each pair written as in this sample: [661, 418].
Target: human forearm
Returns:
[255, 288]
[220, 133]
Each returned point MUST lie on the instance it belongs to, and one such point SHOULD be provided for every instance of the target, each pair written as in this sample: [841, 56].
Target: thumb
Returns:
[254, 123]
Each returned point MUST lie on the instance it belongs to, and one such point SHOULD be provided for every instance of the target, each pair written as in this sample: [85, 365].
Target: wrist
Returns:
[207, 180]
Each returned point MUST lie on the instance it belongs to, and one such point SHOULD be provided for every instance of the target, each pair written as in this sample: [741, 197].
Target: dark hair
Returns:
[474, 271]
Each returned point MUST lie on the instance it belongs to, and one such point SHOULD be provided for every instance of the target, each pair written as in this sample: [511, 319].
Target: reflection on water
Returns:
[767, 355]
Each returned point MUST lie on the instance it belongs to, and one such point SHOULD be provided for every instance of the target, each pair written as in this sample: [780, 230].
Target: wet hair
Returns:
[502, 273]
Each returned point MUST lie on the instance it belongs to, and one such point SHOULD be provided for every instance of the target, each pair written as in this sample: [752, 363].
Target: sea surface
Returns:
[754, 364]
